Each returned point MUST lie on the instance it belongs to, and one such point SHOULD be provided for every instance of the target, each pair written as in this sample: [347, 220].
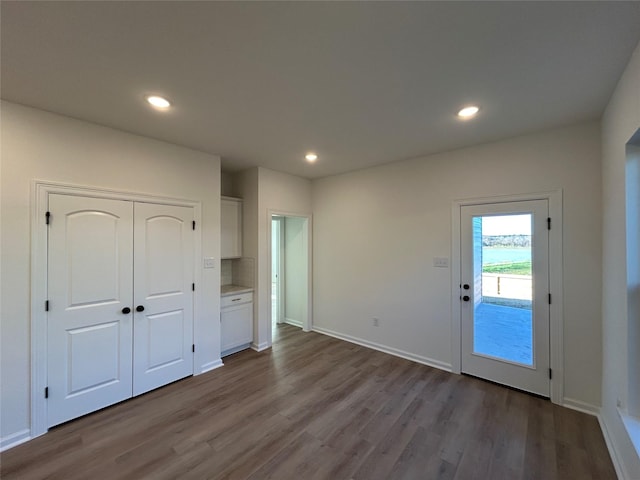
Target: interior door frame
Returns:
[307, 325]
[40, 191]
[281, 282]
[556, 309]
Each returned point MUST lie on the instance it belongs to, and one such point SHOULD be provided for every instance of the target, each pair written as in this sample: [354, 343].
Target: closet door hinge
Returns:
[193, 287]
[46, 392]
[550, 374]
[193, 225]
[46, 305]
[47, 217]
[193, 348]
[548, 223]
[549, 299]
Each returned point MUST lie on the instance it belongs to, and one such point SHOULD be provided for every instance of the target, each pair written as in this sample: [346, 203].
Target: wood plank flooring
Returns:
[315, 407]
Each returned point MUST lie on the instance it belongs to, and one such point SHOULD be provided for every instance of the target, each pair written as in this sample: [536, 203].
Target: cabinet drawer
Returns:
[238, 299]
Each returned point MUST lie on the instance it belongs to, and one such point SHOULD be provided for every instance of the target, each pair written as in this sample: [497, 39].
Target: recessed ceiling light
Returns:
[158, 102]
[468, 112]
[311, 157]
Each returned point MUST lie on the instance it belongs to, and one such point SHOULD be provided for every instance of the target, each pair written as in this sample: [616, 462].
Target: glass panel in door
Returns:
[503, 284]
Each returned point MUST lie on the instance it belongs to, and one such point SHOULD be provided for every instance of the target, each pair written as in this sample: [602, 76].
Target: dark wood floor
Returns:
[318, 408]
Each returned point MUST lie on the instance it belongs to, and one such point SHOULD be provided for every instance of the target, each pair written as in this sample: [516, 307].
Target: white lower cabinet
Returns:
[236, 323]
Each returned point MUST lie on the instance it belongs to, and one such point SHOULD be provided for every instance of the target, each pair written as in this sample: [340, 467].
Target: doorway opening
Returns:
[277, 231]
[290, 273]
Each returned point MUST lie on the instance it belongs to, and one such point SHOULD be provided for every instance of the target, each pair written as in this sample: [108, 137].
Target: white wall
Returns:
[295, 270]
[620, 121]
[44, 146]
[377, 230]
[228, 186]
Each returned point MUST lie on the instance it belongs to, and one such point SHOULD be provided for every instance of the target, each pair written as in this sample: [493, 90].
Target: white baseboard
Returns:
[581, 406]
[385, 349]
[259, 347]
[590, 409]
[291, 321]
[15, 439]
[613, 453]
[207, 367]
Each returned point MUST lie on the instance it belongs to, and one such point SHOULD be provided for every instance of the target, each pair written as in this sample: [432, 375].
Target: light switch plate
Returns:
[209, 262]
[441, 262]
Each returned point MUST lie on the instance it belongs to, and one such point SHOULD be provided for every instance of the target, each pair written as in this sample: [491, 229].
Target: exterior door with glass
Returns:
[504, 293]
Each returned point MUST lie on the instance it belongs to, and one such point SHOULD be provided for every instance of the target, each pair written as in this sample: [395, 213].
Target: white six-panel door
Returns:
[107, 259]
[90, 282]
[163, 276]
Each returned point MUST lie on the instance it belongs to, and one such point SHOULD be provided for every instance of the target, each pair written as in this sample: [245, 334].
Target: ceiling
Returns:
[360, 83]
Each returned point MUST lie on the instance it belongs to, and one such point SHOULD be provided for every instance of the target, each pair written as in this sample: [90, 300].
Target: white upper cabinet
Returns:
[231, 227]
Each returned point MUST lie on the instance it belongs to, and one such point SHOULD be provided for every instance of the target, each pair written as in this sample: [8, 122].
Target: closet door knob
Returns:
[139, 308]
[126, 310]
[465, 298]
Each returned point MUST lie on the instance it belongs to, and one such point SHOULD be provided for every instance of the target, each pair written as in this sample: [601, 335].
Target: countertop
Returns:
[234, 289]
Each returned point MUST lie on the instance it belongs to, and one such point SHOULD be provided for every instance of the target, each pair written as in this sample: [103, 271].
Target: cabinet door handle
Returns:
[236, 299]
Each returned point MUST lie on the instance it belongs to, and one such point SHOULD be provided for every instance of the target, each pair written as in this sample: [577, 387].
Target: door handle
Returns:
[465, 298]
[126, 310]
[466, 286]
[139, 308]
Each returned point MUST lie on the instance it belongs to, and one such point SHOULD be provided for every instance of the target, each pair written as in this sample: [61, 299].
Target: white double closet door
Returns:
[120, 319]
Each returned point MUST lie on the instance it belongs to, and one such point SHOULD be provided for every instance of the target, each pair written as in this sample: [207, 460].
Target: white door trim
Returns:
[556, 327]
[307, 325]
[281, 282]
[40, 190]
